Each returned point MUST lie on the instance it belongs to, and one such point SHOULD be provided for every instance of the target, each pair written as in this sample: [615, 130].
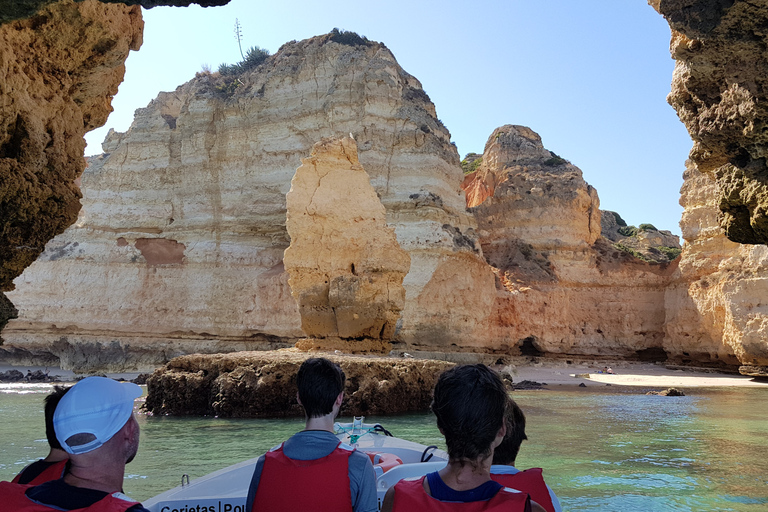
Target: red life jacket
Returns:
[410, 495]
[52, 472]
[13, 498]
[530, 481]
[289, 485]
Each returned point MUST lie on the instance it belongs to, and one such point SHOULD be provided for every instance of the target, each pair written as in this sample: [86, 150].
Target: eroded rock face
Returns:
[18, 9]
[719, 91]
[263, 385]
[58, 73]
[717, 305]
[346, 267]
[561, 288]
[203, 174]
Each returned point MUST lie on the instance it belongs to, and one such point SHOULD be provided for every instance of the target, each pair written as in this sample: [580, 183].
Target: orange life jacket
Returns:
[410, 495]
[530, 481]
[290, 485]
[13, 498]
[54, 471]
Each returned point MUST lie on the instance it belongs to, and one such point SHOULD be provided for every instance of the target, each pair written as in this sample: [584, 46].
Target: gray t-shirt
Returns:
[315, 444]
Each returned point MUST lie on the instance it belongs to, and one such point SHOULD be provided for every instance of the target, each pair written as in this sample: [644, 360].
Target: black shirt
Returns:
[62, 496]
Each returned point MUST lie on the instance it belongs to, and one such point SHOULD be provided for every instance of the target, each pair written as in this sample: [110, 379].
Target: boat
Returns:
[226, 490]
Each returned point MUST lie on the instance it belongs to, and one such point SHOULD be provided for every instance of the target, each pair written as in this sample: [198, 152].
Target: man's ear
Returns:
[340, 399]
[299, 399]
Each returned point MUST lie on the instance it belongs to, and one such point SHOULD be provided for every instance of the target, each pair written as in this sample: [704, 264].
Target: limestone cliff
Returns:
[720, 92]
[345, 264]
[179, 246]
[717, 304]
[263, 385]
[561, 287]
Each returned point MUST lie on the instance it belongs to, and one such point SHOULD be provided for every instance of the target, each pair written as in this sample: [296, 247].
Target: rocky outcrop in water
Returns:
[720, 92]
[717, 307]
[263, 385]
[345, 265]
[561, 287]
[179, 246]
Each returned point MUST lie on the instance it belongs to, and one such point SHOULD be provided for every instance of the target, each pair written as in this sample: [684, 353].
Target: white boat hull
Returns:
[226, 490]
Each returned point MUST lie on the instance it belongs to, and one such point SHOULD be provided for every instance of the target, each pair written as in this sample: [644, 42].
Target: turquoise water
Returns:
[616, 451]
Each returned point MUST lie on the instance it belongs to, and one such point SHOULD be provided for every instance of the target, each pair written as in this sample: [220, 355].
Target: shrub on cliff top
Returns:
[647, 227]
[631, 251]
[470, 167]
[621, 222]
[628, 230]
[555, 160]
[670, 252]
[348, 38]
[253, 58]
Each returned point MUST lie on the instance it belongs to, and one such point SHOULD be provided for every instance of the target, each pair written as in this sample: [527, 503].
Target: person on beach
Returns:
[503, 469]
[469, 403]
[95, 425]
[312, 470]
[53, 465]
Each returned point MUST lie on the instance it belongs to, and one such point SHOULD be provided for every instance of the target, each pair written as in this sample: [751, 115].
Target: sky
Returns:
[589, 76]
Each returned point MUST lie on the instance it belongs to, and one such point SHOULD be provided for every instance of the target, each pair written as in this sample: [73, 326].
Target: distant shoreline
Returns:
[632, 374]
[553, 373]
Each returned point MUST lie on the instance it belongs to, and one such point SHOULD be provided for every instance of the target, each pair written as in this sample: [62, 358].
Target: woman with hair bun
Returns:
[469, 403]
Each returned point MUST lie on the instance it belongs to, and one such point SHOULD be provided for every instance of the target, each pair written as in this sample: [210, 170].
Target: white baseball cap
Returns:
[97, 406]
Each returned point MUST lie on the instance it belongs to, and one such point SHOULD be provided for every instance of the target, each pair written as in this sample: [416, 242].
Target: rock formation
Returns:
[720, 92]
[717, 304]
[345, 264]
[645, 242]
[18, 9]
[59, 71]
[263, 385]
[561, 287]
[179, 246]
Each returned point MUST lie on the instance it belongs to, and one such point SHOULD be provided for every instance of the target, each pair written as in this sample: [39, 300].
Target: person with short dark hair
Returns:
[469, 403]
[95, 425]
[53, 465]
[313, 470]
[504, 471]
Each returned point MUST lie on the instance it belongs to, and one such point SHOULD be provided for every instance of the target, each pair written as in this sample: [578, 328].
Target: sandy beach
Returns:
[559, 373]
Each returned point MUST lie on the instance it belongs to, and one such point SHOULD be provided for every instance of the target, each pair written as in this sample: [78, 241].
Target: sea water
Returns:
[613, 450]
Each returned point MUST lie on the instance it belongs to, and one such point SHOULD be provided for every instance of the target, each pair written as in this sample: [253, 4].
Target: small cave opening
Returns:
[528, 347]
[652, 355]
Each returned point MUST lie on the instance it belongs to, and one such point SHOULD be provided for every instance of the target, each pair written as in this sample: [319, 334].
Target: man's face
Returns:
[134, 446]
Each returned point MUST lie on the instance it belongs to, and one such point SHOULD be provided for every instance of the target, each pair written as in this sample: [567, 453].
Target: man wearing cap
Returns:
[95, 425]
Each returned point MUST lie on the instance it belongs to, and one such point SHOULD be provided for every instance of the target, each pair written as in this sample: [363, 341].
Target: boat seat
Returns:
[383, 462]
[397, 473]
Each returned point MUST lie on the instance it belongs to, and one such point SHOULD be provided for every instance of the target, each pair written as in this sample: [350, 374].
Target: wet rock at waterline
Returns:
[263, 385]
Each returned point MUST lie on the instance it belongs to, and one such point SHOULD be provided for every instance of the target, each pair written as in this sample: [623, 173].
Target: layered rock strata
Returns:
[720, 92]
[263, 385]
[561, 287]
[717, 304]
[58, 73]
[179, 246]
[345, 265]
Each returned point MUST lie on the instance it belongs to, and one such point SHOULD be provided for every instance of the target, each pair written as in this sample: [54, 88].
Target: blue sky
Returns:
[590, 76]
